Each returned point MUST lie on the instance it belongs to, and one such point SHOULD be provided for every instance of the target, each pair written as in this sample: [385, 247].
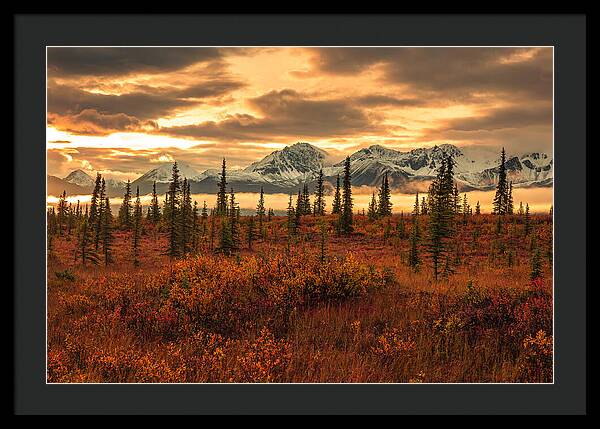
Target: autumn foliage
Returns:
[323, 308]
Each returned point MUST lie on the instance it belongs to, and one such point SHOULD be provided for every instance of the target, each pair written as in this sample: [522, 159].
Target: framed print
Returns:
[273, 219]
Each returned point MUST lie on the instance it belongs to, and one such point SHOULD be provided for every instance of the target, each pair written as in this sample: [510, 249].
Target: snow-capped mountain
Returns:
[286, 169]
[298, 161]
[162, 173]
[80, 178]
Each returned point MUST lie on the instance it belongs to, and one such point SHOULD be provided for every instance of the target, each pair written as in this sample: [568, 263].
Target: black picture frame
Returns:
[567, 33]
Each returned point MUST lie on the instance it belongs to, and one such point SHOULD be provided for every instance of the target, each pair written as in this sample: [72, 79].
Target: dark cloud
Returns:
[144, 103]
[449, 72]
[92, 113]
[287, 114]
[92, 122]
[509, 117]
[120, 61]
[386, 100]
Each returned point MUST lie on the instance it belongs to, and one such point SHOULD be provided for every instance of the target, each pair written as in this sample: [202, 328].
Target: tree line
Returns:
[186, 225]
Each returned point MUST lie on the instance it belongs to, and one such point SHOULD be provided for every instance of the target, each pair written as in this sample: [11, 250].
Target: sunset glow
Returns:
[121, 110]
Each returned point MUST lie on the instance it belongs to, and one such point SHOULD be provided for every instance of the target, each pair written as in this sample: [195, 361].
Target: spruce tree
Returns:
[125, 209]
[456, 199]
[385, 204]
[173, 209]
[345, 220]
[509, 200]
[93, 218]
[298, 210]
[413, 257]
[260, 209]
[527, 220]
[62, 212]
[84, 236]
[536, 264]
[372, 211]
[319, 209]
[477, 208]
[222, 193]
[99, 214]
[423, 206]
[234, 220]
[137, 226]
[416, 206]
[186, 218]
[441, 211]
[501, 198]
[465, 209]
[337, 200]
[195, 227]
[107, 237]
[306, 210]
[154, 206]
[291, 219]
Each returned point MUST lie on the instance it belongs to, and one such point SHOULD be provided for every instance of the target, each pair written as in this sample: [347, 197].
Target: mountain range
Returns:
[283, 171]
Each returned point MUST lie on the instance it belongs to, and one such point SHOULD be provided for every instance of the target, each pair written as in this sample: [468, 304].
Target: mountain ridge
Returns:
[282, 171]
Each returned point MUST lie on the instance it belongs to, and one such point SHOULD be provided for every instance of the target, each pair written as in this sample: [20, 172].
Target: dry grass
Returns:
[271, 315]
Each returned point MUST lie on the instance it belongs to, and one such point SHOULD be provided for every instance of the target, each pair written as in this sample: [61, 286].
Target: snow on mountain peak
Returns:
[298, 160]
[79, 177]
[163, 173]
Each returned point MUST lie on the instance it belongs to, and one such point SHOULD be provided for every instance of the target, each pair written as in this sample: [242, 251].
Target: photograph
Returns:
[299, 214]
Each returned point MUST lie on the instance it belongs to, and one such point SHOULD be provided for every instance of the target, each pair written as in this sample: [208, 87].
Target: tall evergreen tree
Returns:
[501, 198]
[62, 212]
[299, 207]
[84, 237]
[306, 209]
[319, 209]
[172, 214]
[465, 209]
[154, 206]
[107, 237]
[337, 199]
[416, 206]
[423, 206]
[536, 264]
[372, 211]
[222, 193]
[384, 205]
[260, 209]
[527, 220]
[509, 200]
[195, 226]
[137, 228]
[413, 257]
[441, 211]
[456, 199]
[186, 218]
[125, 209]
[477, 208]
[94, 203]
[234, 221]
[99, 214]
[291, 219]
[345, 221]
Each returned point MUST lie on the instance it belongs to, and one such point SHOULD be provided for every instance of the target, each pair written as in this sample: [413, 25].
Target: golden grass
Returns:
[271, 315]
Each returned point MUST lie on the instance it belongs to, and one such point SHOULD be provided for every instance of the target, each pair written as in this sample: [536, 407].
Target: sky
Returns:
[122, 111]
